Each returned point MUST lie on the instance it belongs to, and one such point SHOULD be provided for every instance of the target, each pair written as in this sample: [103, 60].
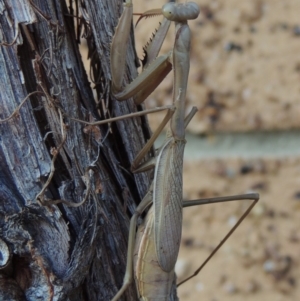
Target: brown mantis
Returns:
[153, 253]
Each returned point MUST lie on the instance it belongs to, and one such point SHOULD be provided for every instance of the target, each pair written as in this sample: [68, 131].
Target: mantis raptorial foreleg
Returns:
[151, 76]
[154, 68]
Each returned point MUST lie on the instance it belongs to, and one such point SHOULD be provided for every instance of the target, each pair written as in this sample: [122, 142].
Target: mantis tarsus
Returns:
[157, 244]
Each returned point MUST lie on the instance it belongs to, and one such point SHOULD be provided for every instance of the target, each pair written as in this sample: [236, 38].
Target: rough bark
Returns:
[56, 252]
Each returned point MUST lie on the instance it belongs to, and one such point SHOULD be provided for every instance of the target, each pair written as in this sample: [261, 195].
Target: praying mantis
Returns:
[152, 253]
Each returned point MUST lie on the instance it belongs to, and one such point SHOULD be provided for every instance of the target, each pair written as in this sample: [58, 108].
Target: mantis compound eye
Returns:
[169, 11]
[180, 12]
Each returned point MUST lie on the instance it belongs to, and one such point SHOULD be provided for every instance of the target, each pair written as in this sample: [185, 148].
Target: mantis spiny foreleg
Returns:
[155, 68]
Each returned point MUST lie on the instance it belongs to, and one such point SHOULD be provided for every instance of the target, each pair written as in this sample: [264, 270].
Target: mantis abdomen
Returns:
[152, 282]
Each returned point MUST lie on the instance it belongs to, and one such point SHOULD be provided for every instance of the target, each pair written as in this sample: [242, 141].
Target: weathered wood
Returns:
[59, 252]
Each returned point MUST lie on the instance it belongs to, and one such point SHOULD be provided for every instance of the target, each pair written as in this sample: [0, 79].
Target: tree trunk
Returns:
[50, 251]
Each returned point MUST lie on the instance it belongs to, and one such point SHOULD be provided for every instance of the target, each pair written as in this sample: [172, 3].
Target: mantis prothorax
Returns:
[153, 254]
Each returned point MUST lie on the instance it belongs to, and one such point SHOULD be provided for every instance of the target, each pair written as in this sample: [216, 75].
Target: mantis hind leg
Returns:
[249, 196]
[147, 200]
